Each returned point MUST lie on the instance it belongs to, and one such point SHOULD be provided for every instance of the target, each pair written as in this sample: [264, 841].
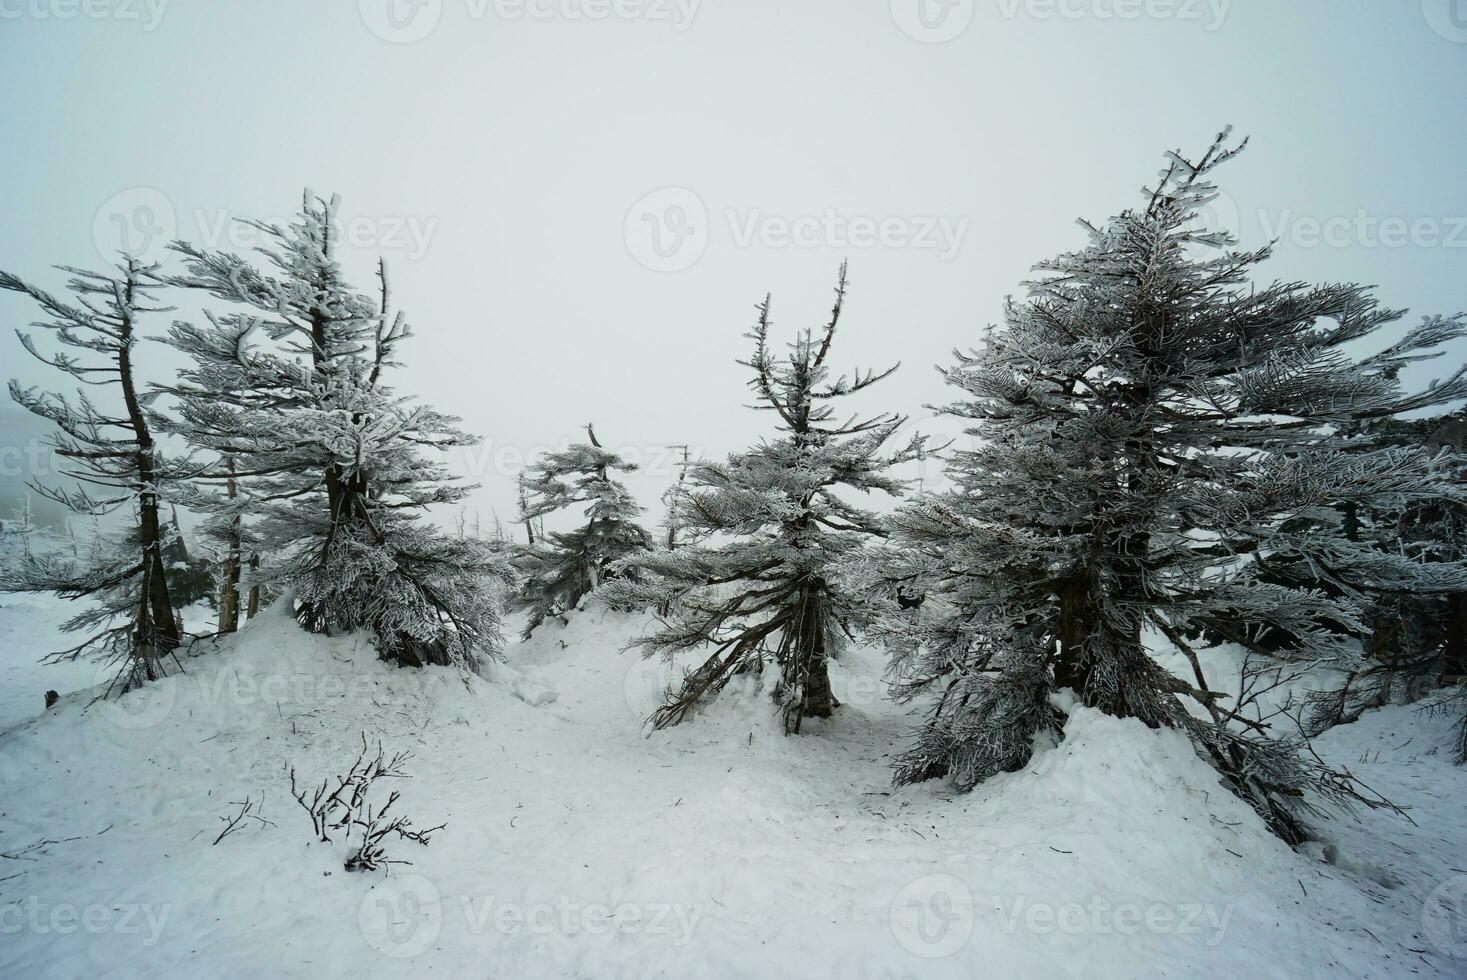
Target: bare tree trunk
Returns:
[819, 700]
[229, 594]
[525, 517]
[1456, 641]
[1076, 619]
[158, 614]
[229, 585]
[253, 608]
[805, 668]
[157, 630]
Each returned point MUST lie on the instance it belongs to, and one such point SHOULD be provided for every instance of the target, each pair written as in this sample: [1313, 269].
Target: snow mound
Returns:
[578, 843]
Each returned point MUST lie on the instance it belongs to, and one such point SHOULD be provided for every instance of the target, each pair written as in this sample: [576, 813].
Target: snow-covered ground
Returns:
[30, 628]
[577, 845]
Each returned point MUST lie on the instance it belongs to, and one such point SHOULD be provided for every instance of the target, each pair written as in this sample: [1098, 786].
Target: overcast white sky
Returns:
[581, 200]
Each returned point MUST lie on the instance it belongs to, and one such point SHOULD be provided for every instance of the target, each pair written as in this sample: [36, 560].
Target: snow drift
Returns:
[579, 845]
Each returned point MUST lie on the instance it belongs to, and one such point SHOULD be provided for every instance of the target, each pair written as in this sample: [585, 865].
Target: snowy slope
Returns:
[30, 628]
[577, 845]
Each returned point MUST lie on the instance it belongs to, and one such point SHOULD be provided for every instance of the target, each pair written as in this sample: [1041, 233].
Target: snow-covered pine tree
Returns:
[113, 457]
[224, 498]
[337, 462]
[1150, 428]
[190, 577]
[757, 579]
[1417, 644]
[561, 568]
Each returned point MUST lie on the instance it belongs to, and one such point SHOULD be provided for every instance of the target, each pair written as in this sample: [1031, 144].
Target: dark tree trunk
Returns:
[346, 510]
[253, 609]
[1456, 640]
[1101, 656]
[229, 584]
[229, 592]
[1106, 666]
[1077, 616]
[819, 700]
[805, 670]
[1390, 620]
[156, 630]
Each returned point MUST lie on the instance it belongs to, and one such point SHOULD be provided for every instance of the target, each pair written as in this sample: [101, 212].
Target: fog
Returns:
[580, 201]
